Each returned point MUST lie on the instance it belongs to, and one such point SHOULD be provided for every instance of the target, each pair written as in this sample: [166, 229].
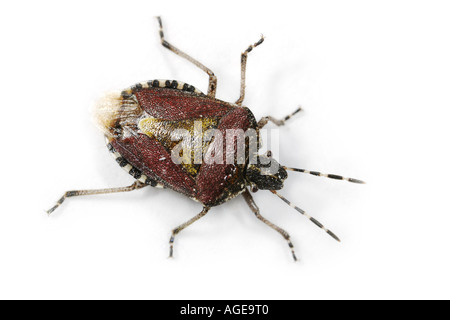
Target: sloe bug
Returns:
[138, 124]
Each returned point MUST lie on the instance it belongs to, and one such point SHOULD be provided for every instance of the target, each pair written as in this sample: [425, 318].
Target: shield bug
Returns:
[140, 123]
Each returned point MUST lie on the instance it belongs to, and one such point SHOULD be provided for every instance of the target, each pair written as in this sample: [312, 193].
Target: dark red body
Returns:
[213, 183]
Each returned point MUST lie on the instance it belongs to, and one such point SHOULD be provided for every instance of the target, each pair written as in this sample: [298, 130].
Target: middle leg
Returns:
[183, 226]
[244, 67]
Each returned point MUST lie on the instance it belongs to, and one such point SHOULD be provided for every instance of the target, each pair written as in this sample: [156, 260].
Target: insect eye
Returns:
[254, 188]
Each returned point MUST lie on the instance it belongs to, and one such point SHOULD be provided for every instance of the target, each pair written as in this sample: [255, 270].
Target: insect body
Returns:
[139, 131]
[140, 124]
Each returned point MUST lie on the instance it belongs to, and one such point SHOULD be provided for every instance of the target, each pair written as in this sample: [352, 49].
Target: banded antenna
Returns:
[313, 220]
[326, 175]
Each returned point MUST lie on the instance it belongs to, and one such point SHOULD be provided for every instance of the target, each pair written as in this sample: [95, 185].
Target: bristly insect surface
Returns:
[158, 131]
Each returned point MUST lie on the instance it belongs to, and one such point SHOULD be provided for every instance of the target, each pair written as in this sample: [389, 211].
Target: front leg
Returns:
[252, 205]
[278, 122]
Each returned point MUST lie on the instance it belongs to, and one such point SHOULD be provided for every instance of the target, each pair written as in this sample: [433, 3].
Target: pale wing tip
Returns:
[105, 112]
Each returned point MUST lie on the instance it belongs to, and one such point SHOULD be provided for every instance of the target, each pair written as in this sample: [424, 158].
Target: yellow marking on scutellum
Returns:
[167, 131]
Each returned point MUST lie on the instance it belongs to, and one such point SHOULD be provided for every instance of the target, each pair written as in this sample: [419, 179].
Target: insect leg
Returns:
[251, 203]
[278, 122]
[244, 67]
[136, 185]
[183, 226]
[212, 78]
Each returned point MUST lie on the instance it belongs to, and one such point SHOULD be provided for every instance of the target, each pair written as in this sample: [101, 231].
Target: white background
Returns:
[373, 78]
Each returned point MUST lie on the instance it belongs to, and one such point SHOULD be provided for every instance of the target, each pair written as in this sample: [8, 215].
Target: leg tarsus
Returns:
[172, 239]
[136, 185]
[183, 226]
[212, 85]
[251, 203]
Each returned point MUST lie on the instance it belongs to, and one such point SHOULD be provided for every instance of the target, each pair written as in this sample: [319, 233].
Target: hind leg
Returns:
[136, 185]
[212, 86]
